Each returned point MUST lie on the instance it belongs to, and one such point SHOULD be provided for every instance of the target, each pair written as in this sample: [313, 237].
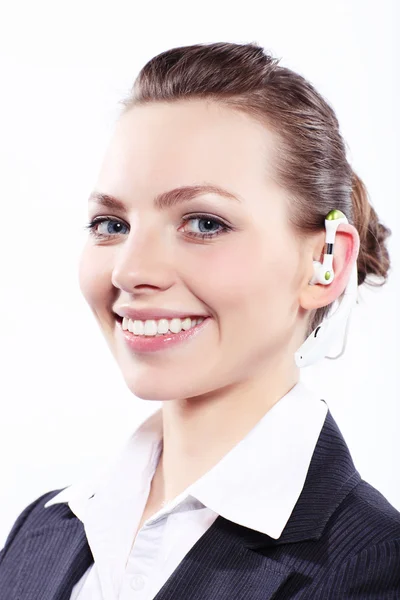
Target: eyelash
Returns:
[97, 220]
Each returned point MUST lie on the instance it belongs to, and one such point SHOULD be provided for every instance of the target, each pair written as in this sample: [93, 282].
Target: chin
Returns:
[148, 391]
[160, 387]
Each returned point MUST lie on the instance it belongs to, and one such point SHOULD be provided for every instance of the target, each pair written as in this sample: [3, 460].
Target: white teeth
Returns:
[136, 327]
[176, 326]
[188, 323]
[161, 327]
[150, 328]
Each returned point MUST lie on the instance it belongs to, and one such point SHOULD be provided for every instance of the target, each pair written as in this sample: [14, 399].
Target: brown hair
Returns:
[311, 155]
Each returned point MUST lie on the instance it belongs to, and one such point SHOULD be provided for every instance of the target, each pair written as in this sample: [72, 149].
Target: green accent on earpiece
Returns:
[327, 275]
[334, 214]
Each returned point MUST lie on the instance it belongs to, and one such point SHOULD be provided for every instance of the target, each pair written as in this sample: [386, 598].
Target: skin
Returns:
[252, 280]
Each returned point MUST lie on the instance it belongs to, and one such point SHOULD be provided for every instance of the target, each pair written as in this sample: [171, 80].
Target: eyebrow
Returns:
[167, 199]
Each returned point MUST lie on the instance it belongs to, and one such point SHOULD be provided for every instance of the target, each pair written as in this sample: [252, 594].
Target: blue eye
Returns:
[115, 229]
[92, 227]
[206, 219]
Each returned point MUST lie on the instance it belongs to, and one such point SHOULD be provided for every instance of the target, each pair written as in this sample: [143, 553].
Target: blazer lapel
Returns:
[220, 566]
[229, 562]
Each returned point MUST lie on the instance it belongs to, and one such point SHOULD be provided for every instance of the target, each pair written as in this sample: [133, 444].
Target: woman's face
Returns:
[246, 278]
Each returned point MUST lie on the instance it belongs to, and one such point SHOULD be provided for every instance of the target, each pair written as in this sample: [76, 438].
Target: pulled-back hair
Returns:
[310, 161]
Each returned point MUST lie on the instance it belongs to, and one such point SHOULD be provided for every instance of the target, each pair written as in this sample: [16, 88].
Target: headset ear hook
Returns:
[318, 342]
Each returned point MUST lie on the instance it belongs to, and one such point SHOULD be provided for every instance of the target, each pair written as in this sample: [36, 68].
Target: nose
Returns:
[142, 263]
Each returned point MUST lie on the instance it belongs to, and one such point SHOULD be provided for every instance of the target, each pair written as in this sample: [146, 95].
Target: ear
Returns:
[345, 253]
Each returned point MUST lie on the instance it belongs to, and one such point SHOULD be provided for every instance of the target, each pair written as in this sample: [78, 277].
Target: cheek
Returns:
[245, 276]
[252, 288]
[94, 277]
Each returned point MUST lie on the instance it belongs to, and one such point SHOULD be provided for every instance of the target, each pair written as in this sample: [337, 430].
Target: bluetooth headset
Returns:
[318, 342]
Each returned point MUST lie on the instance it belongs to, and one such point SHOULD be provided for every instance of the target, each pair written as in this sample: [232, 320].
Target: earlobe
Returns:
[314, 296]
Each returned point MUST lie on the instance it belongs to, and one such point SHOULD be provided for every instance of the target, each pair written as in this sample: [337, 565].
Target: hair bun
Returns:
[373, 258]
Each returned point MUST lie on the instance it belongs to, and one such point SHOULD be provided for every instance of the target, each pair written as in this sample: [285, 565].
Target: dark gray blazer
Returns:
[342, 541]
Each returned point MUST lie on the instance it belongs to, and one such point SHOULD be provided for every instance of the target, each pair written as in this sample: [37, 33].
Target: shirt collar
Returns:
[256, 484]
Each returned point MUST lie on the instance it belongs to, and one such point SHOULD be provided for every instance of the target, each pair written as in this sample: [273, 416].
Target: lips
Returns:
[155, 343]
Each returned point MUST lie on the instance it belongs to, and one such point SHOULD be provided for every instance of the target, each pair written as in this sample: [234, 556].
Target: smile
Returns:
[152, 327]
[149, 339]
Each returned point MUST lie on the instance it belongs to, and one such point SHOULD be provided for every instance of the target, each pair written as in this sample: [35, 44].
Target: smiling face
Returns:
[246, 278]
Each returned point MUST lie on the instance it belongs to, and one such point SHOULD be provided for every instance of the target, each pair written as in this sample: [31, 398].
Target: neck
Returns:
[198, 432]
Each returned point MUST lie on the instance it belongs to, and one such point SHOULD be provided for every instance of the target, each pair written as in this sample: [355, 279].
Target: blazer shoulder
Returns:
[374, 570]
[31, 516]
[375, 509]
[367, 517]
[363, 537]
[350, 503]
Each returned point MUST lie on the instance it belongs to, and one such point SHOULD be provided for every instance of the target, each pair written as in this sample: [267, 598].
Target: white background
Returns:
[64, 67]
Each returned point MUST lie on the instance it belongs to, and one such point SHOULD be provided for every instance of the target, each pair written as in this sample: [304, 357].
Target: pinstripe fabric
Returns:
[341, 541]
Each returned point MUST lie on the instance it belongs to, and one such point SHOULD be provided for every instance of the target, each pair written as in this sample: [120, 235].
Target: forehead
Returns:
[162, 145]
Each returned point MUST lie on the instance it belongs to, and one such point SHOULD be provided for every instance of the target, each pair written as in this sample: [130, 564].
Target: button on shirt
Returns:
[256, 484]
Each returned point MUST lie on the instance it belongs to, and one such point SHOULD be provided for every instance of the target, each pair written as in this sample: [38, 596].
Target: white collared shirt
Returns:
[256, 484]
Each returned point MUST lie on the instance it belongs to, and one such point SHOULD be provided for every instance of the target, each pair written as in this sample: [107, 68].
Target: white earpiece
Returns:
[318, 342]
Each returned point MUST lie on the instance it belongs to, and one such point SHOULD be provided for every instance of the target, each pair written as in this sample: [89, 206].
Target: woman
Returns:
[210, 218]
